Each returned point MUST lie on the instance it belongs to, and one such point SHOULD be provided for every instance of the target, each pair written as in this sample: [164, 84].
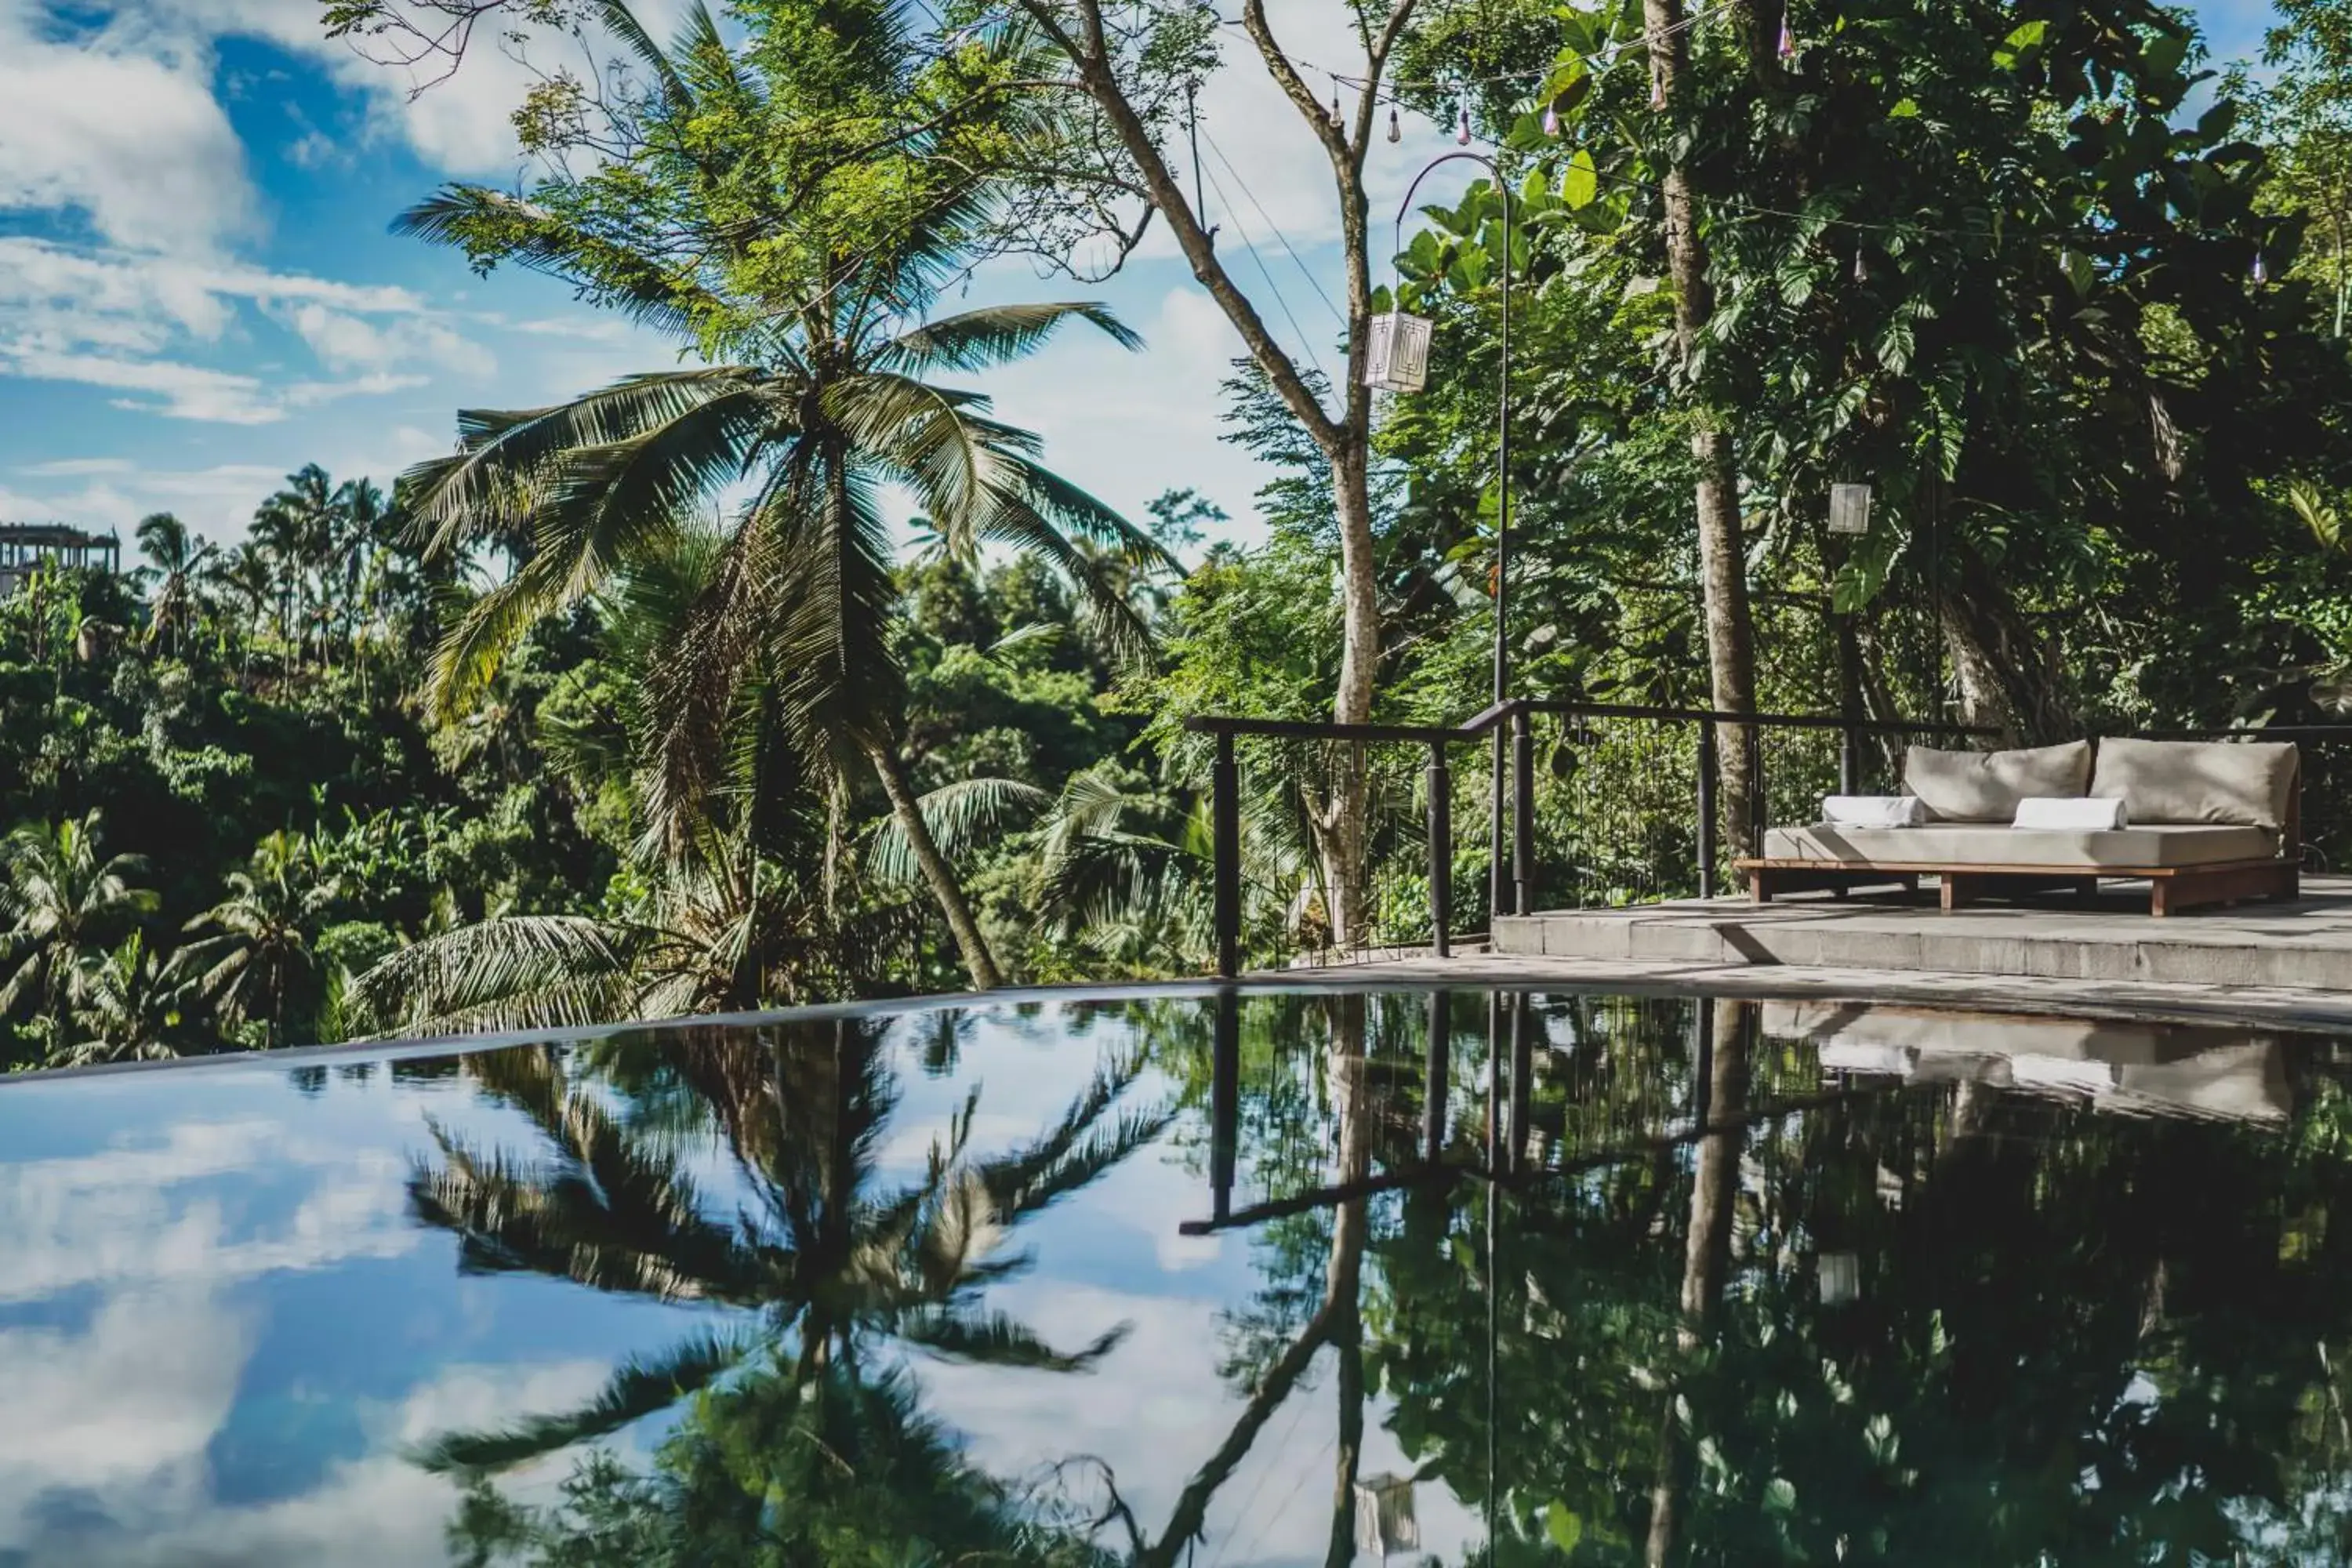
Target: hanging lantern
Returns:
[1849, 509]
[1788, 41]
[1396, 132]
[1861, 266]
[1338, 117]
[1462, 126]
[1396, 359]
[2261, 273]
[1385, 1521]
[1551, 118]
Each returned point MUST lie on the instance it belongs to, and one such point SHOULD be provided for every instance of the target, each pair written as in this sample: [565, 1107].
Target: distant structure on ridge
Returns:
[29, 547]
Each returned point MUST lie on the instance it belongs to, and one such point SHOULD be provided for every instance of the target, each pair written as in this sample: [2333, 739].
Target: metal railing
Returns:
[1644, 746]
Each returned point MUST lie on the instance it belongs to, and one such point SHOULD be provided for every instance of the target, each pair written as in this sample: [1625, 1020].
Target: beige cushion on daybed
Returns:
[1985, 786]
[2241, 783]
[1992, 844]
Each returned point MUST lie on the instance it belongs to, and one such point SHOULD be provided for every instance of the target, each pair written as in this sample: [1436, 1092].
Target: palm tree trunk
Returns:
[978, 962]
[1723, 579]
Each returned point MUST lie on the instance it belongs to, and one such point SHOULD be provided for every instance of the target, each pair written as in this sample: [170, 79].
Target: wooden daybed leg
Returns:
[1760, 885]
[2160, 899]
[1958, 888]
[2087, 890]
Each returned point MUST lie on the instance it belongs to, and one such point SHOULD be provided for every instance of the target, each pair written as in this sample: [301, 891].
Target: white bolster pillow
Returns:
[2073, 814]
[1873, 811]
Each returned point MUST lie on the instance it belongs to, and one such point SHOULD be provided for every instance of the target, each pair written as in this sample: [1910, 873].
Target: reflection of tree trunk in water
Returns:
[1336, 1321]
[1352, 1106]
[1706, 1252]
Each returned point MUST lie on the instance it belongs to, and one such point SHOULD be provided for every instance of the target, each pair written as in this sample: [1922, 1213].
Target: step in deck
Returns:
[2306, 944]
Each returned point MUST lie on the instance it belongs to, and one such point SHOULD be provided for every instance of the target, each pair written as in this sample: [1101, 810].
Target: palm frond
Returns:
[639, 1389]
[994, 1339]
[517, 972]
[997, 335]
[957, 813]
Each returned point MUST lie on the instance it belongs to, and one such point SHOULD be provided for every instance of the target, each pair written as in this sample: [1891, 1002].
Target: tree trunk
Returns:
[1707, 1245]
[978, 962]
[1723, 572]
[1352, 1103]
[2007, 672]
[1344, 439]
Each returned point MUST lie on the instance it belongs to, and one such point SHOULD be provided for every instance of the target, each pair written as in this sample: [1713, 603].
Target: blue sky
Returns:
[198, 291]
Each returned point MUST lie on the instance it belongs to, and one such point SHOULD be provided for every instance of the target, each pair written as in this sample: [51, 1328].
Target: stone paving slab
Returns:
[2303, 945]
[2277, 1006]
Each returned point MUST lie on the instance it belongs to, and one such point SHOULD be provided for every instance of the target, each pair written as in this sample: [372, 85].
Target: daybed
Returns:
[2207, 822]
[2173, 1070]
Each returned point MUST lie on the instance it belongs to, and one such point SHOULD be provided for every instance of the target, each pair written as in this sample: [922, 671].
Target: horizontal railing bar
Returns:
[1479, 723]
[1311, 729]
[1761, 721]
[2240, 734]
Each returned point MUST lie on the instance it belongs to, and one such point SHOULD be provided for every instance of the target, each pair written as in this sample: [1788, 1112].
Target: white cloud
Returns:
[130, 137]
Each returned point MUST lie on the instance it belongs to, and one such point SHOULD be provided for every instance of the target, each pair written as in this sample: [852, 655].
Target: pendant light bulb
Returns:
[2262, 269]
[1462, 126]
[1657, 96]
[1551, 119]
[1396, 132]
[1860, 267]
[1788, 41]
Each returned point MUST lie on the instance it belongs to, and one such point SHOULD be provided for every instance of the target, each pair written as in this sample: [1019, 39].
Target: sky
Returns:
[200, 292]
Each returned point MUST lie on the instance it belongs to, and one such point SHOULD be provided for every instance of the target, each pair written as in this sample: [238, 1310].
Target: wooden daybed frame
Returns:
[2171, 888]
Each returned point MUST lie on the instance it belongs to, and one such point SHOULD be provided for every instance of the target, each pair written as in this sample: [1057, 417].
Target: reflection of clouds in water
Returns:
[130, 1488]
[1155, 1410]
[110, 1418]
[123, 1215]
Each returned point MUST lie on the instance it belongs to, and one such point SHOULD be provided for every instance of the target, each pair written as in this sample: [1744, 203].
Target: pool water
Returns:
[1281, 1278]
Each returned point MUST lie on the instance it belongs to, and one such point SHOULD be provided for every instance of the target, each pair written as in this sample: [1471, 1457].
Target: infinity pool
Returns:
[1287, 1279]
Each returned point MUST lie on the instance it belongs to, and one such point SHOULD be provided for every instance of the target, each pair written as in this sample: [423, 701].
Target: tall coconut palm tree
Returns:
[176, 575]
[835, 398]
[296, 528]
[61, 901]
[248, 576]
[259, 956]
[808, 1254]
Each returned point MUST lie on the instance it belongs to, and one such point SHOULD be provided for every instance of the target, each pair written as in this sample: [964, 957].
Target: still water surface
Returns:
[1291, 1280]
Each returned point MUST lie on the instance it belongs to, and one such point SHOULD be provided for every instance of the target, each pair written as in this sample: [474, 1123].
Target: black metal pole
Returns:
[1522, 1075]
[1441, 853]
[1498, 886]
[1226, 834]
[1439, 1066]
[1754, 804]
[1849, 761]
[1523, 810]
[1709, 771]
[1224, 1103]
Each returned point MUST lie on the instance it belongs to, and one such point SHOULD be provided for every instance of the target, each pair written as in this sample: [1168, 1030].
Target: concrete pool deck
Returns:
[2288, 961]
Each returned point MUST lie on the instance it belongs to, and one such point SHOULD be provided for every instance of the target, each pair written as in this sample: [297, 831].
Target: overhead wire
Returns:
[1312, 282]
[1266, 272]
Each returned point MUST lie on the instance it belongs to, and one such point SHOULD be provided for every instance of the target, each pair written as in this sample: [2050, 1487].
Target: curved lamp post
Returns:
[1398, 360]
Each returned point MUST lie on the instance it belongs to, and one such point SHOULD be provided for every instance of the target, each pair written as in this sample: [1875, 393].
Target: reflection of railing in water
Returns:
[1508, 1122]
[1592, 737]
[2185, 1072]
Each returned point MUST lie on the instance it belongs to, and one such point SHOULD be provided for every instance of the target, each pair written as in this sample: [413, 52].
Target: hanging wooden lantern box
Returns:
[1397, 358]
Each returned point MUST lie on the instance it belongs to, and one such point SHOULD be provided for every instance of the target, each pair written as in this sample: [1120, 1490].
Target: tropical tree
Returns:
[61, 901]
[128, 1005]
[176, 575]
[300, 530]
[261, 958]
[815, 1263]
[835, 400]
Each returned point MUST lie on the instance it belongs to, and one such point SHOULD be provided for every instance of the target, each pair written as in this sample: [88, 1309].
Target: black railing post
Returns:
[1499, 870]
[1225, 833]
[1755, 803]
[1710, 772]
[1441, 853]
[1523, 811]
[1522, 1080]
[1440, 1067]
[1224, 1103]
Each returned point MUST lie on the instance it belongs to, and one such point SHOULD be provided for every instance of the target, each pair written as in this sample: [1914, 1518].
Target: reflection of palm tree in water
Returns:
[827, 1262]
